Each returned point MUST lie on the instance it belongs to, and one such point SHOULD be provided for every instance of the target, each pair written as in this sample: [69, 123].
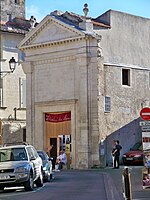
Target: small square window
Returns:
[9, 17]
[17, 1]
[126, 77]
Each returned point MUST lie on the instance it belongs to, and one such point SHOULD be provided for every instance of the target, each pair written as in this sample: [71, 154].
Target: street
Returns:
[67, 185]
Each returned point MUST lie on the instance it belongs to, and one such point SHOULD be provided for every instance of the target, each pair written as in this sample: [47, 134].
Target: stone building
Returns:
[87, 80]
[13, 28]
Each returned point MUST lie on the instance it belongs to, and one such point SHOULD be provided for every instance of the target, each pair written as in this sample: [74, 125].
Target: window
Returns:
[1, 97]
[149, 79]
[126, 77]
[9, 17]
[22, 83]
[17, 1]
[30, 152]
[107, 104]
[21, 55]
[35, 153]
[24, 134]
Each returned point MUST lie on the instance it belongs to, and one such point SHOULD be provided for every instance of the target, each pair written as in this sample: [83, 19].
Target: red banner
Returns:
[62, 117]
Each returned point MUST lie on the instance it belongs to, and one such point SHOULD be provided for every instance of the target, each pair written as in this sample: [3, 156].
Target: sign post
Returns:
[145, 127]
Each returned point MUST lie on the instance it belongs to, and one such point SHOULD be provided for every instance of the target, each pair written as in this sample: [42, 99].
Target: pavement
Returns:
[114, 182]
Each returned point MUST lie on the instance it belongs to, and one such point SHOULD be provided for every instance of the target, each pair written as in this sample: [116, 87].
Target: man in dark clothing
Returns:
[116, 154]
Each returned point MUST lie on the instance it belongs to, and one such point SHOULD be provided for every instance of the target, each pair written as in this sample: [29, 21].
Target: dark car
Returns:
[47, 166]
[134, 156]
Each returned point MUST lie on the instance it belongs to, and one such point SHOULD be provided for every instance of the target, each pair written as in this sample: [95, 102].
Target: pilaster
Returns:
[28, 70]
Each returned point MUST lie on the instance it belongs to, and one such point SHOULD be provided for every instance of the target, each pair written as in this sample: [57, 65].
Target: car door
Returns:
[38, 162]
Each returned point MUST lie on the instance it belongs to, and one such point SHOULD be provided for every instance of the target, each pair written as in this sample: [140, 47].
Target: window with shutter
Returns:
[107, 104]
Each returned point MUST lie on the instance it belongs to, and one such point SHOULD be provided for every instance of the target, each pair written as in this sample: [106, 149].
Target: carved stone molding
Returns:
[51, 43]
[54, 60]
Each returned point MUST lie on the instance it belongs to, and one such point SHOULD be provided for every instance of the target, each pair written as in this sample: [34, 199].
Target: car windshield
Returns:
[13, 154]
[137, 146]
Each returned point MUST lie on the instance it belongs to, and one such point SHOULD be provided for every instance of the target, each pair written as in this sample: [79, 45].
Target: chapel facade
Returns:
[86, 84]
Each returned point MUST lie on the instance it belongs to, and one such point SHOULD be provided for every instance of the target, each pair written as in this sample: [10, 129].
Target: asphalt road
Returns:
[67, 185]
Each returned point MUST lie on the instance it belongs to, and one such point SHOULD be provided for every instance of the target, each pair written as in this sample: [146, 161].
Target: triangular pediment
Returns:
[50, 30]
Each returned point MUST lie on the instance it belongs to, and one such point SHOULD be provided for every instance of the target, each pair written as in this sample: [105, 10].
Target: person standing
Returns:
[116, 154]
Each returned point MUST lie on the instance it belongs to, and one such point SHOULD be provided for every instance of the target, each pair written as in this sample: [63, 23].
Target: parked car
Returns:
[134, 156]
[47, 166]
[20, 165]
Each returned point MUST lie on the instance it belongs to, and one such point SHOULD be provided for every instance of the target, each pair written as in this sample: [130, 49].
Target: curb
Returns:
[110, 188]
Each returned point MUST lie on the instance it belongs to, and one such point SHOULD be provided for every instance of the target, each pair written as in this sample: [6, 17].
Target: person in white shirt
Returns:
[62, 160]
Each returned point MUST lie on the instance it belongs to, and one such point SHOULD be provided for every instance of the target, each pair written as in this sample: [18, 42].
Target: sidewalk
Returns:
[113, 180]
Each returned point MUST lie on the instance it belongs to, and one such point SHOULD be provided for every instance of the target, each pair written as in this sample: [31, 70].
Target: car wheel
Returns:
[51, 176]
[48, 178]
[39, 181]
[29, 184]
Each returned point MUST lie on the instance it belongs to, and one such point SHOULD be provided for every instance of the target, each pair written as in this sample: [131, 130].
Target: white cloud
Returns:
[34, 11]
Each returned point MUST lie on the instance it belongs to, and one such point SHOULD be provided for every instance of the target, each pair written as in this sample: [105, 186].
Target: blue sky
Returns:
[40, 8]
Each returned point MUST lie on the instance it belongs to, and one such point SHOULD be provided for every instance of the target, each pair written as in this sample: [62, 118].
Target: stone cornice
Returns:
[52, 43]
[56, 102]
[54, 60]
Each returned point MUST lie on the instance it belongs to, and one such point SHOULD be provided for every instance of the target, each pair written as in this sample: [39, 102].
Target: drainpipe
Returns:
[15, 113]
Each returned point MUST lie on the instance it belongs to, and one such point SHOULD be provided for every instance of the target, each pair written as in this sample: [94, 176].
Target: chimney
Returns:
[86, 24]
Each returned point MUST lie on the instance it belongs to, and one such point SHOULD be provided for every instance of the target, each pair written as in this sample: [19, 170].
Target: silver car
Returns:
[20, 165]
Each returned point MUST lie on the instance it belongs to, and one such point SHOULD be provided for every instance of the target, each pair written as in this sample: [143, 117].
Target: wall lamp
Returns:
[12, 66]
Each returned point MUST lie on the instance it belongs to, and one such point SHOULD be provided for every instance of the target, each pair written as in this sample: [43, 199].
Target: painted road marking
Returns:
[19, 193]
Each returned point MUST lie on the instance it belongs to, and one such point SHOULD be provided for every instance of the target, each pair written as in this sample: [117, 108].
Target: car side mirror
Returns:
[50, 158]
[32, 158]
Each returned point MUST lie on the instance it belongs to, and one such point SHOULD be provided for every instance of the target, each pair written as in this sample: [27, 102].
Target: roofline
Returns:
[121, 12]
[100, 24]
[13, 32]
[33, 33]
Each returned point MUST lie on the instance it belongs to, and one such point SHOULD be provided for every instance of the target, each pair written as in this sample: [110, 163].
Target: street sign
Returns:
[145, 123]
[145, 128]
[145, 113]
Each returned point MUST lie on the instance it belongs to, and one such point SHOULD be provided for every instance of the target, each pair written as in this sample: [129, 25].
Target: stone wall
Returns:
[9, 7]
[125, 46]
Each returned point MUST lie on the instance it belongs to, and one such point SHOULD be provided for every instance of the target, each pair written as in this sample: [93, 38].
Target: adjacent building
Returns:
[87, 80]
[13, 28]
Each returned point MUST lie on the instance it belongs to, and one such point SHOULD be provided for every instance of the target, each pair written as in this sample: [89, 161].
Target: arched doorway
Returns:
[58, 134]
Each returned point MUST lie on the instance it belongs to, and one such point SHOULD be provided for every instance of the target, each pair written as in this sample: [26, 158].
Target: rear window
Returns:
[137, 146]
[41, 155]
